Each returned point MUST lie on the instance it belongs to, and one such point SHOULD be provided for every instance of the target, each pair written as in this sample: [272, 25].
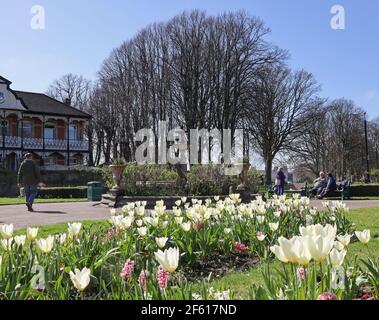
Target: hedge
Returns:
[163, 180]
[61, 193]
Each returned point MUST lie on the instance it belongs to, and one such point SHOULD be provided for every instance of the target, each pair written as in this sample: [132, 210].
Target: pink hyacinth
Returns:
[163, 278]
[198, 225]
[127, 270]
[327, 296]
[301, 274]
[240, 247]
[142, 279]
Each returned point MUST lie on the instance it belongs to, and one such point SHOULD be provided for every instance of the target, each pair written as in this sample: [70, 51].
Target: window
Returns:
[27, 129]
[73, 131]
[4, 127]
[50, 132]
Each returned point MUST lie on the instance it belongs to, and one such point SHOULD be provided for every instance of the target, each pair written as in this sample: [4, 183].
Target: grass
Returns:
[47, 230]
[240, 282]
[19, 200]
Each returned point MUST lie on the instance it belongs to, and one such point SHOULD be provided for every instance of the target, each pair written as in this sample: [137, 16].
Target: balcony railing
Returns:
[50, 144]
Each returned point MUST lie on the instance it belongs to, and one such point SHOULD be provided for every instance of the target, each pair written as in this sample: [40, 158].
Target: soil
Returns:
[218, 266]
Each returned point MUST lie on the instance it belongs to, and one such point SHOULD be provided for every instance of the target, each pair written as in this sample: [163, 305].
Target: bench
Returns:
[344, 194]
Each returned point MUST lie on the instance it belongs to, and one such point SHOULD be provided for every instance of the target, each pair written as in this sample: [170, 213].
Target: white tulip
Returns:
[261, 236]
[81, 278]
[319, 230]
[6, 230]
[61, 238]
[127, 222]
[168, 259]
[45, 245]
[338, 245]
[260, 219]
[20, 240]
[319, 246]
[142, 231]
[279, 253]
[274, 226]
[7, 244]
[336, 257]
[363, 236]
[186, 226]
[345, 240]
[113, 212]
[227, 230]
[139, 223]
[31, 233]
[161, 242]
[178, 203]
[74, 229]
[277, 214]
[116, 221]
[184, 199]
[179, 220]
[301, 252]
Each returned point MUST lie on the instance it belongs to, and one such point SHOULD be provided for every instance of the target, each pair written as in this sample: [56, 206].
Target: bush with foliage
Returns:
[60, 192]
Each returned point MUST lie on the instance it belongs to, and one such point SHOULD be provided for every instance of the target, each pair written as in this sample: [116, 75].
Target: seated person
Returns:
[330, 187]
[344, 184]
[319, 184]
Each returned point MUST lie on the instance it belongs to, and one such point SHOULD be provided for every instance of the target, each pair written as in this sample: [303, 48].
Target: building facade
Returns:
[33, 122]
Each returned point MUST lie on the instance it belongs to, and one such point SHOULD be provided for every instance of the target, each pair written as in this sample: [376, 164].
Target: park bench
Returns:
[344, 194]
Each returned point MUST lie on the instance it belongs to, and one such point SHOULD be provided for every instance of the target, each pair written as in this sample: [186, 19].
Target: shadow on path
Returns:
[50, 212]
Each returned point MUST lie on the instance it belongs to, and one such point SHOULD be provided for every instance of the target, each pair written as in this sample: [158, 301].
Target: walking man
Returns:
[29, 177]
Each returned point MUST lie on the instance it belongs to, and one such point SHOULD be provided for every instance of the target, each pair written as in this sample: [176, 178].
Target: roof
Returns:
[3, 80]
[41, 103]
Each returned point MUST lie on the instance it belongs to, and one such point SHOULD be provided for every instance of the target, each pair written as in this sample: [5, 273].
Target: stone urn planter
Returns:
[118, 175]
[242, 188]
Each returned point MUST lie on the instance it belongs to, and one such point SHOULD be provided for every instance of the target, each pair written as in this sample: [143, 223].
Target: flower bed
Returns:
[156, 254]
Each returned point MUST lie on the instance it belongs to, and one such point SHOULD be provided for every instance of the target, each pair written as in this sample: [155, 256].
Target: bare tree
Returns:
[278, 107]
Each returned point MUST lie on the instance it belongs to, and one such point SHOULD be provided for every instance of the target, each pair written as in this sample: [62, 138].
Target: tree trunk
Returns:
[268, 171]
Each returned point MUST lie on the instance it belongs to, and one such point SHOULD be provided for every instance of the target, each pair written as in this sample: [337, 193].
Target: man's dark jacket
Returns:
[29, 173]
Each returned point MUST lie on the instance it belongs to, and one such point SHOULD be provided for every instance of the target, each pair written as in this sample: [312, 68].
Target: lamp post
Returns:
[368, 176]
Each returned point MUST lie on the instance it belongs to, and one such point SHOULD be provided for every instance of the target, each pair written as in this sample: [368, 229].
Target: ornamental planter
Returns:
[118, 173]
[242, 188]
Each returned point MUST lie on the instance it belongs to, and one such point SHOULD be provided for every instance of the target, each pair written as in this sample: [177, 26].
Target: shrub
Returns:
[135, 174]
[61, 192]
[210, 180]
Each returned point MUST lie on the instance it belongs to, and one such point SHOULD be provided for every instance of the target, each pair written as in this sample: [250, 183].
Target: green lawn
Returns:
[240, 282]
[10, 201]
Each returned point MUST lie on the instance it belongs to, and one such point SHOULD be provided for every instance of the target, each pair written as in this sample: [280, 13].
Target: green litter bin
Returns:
[94, 191]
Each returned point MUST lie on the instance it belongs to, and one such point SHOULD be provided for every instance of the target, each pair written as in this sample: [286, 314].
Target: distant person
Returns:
[344, 184]
[280, 182]
[319, 184]
[29, 177]
[330, 187]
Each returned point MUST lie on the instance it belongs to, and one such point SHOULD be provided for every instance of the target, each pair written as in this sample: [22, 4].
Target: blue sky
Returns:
[80, 34]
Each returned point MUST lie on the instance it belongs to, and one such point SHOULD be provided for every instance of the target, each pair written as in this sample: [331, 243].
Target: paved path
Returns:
[51, 213]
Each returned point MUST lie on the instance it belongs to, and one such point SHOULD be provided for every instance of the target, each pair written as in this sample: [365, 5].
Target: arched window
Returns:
[50, 131]
[73, 132]
[4, 127]
[27, 129]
